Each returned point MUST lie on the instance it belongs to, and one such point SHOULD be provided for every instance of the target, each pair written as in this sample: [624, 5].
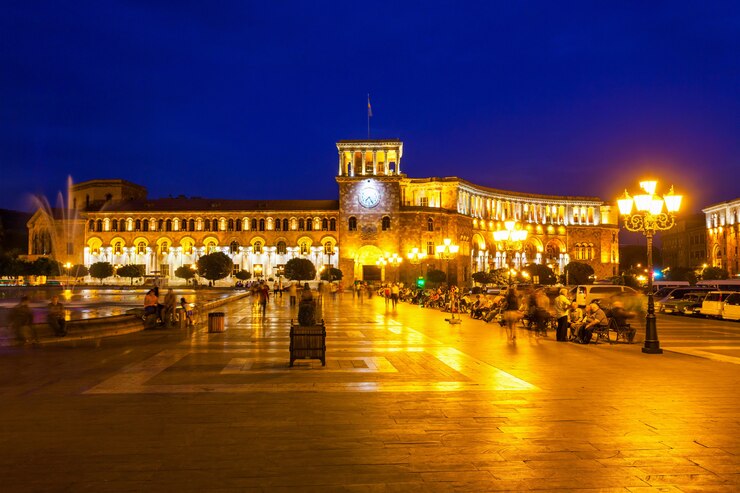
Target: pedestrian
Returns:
[187, 311]
[170, 302]
[21, 321]
[387, 294]
[307, 307]
[562, 304]
[55, 317]
[263, 295]
[395, 290]
[292, 293]
[512, 313]
[333, 290]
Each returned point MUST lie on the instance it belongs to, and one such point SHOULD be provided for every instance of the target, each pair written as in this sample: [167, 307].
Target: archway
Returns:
[366, 268]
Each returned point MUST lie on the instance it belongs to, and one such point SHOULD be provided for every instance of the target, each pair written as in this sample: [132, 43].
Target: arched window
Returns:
[122, 225]
[137, 225]
[214, 225]
[164, 248]
[277, 224]
[99, 225]
[141, 248]
[230, 225]
[332, 224]
[114, 225]
[309, 224]
[160, 225]
[238, 224]
[262, 224]
[210, 246]
[352, 224]
[282, 248]
[183, 224]
[187, 247]
[385, 223]
[254, 224]
[191, 225]
[234, 247]
[304, 248]
[285, 225]
[145, 225]
[168, 225]
[118, 248]
[328, 248]
[257, 247]
[301, 224]
[324, 224]
[91, 225]
[430, 224]
[207, 225]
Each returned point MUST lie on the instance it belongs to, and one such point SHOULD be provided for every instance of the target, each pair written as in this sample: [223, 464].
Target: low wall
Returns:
[94, 328]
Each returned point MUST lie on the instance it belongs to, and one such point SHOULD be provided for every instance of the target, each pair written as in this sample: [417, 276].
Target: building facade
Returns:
[723, 229]
[380, 211]
[685, 245]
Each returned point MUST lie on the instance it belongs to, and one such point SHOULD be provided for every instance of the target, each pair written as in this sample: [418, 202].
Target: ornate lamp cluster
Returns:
[394, 260]
[649, 217]
[510, 238]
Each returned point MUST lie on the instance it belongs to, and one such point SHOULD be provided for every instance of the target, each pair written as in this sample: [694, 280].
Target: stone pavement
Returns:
[405, 403]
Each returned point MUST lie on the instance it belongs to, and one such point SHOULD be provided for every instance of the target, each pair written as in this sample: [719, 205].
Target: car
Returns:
[667, 295]
[731, 307]
[689, 304]
[714, 302]
[589, 293]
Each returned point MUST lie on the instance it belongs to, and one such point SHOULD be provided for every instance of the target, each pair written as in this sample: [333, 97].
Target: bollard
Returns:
[216, 322]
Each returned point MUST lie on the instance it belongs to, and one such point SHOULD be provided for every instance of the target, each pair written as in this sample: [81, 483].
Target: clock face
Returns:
[369, 197]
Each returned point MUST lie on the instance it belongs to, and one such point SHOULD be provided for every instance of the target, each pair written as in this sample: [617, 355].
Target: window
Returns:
[238, 225]
[430, 224]
[160, 225]
[164, 248]
[328, 248]
[191, 225]
[141, 248]
[210, 247]
[301, 224]
[122, 225]
[285, 225]
[430, 248]
[424, 201]
[145, 225]
[257, 247]
[234, 248]
[183, 224]
[137, 225]
[99, 225]
[282, 248]
[262, 224]
[118, 248]
[254, 224]
[168, 225]
[352, 225]
[207, 225]
[304, 248]
[114, 225]
[277, 224]
[230, 225]
[214, 225]
[385, 223]
[324, 224]
[332, 224]
[91, 225]
[309, 224]
[187, 247]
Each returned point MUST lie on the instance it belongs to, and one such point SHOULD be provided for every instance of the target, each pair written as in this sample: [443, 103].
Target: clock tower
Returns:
[369, 202]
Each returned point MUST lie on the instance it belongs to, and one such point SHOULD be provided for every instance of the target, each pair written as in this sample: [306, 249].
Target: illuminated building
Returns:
[380, 211]
[723, 230]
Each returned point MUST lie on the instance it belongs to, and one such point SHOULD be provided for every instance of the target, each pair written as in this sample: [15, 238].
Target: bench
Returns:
[308, 342]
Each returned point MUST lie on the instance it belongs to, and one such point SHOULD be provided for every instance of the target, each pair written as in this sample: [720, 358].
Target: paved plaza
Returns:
[406, 402]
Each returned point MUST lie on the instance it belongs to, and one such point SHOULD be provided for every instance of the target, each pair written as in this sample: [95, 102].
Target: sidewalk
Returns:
[406, 403]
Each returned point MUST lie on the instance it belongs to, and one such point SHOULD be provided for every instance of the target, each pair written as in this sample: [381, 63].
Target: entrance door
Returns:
[370, 273]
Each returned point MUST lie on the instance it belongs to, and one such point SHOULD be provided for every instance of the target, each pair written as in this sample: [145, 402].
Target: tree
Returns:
[131, 271]
[300, 269]
[579, 273]
[215, 266]
[101, 270]
[681, 274]
[185, 272]
[78, 270]
[483, 277]
[243, 275]
[541, 274]
[436, 276]
[44, 266]
[336, 274]
[714, 273]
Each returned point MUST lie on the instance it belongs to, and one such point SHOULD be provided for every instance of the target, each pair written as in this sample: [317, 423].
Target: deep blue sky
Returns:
[246, 99]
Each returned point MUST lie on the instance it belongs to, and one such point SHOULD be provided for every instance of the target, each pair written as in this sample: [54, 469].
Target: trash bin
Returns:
[216, 322]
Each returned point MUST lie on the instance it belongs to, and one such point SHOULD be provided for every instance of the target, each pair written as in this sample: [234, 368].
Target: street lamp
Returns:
[395, 261]
[447, 251]
[648, 219]
[68, 266]
[416, 257]
[510, 239]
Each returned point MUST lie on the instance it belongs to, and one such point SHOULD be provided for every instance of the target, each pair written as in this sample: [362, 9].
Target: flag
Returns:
[369, 108]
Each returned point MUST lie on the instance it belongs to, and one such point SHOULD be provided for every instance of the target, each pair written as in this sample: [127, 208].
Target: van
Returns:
[731, 308]
[667, 295]
[657, 285]
[588, 293]
[713, 303]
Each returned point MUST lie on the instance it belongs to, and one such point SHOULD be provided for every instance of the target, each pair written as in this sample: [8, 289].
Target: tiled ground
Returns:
[406, 402]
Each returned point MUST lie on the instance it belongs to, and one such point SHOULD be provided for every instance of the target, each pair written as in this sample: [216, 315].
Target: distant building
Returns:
[685, 245]
[723, 230]
[379, 211]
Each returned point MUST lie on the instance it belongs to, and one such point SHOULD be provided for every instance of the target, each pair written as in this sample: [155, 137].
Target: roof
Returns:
[198, 204]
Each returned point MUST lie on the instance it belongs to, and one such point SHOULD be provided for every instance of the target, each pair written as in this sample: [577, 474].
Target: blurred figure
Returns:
[21, 321]
[562, 304]
[55, 317]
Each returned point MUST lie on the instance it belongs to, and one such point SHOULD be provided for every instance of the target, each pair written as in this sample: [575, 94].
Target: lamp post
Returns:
[395, 261]
[416, 257]
[447, 251]
[510, 239]
[68, 266]
[648, 219]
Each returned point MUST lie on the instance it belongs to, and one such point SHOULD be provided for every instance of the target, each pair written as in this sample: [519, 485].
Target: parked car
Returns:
[714, 302]
[588, 293]
[673, 294]
[731, 308]
[689, 304]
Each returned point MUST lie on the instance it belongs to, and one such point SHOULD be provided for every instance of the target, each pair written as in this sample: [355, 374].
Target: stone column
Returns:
[340, 162]
[375, 162]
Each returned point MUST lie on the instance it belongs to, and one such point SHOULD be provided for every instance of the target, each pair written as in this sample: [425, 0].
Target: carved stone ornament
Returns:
[369, 232]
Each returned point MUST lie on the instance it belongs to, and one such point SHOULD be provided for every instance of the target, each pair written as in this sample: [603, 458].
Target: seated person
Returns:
[151, 303]
[187, 310]
[575, 319]
[619, 314]
[595, 318]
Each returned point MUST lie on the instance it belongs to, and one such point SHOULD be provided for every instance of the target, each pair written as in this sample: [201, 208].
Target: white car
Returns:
[713, 303]
[588, 293]
[731, 308]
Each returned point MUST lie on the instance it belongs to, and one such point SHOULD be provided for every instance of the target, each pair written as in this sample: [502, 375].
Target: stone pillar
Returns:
[375, 162]
[340, 162]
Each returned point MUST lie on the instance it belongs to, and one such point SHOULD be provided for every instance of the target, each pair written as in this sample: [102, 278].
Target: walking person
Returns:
[55, 317]
[562, 304]
[395, 290]
[263, 295]
[292, 293]
[307, 307]
[21, 321]
[512, 314]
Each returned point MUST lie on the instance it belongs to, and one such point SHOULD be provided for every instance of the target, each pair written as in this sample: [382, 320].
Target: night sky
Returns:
[246, 99]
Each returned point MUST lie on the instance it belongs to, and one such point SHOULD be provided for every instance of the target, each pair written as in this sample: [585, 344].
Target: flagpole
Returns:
[368, 116]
